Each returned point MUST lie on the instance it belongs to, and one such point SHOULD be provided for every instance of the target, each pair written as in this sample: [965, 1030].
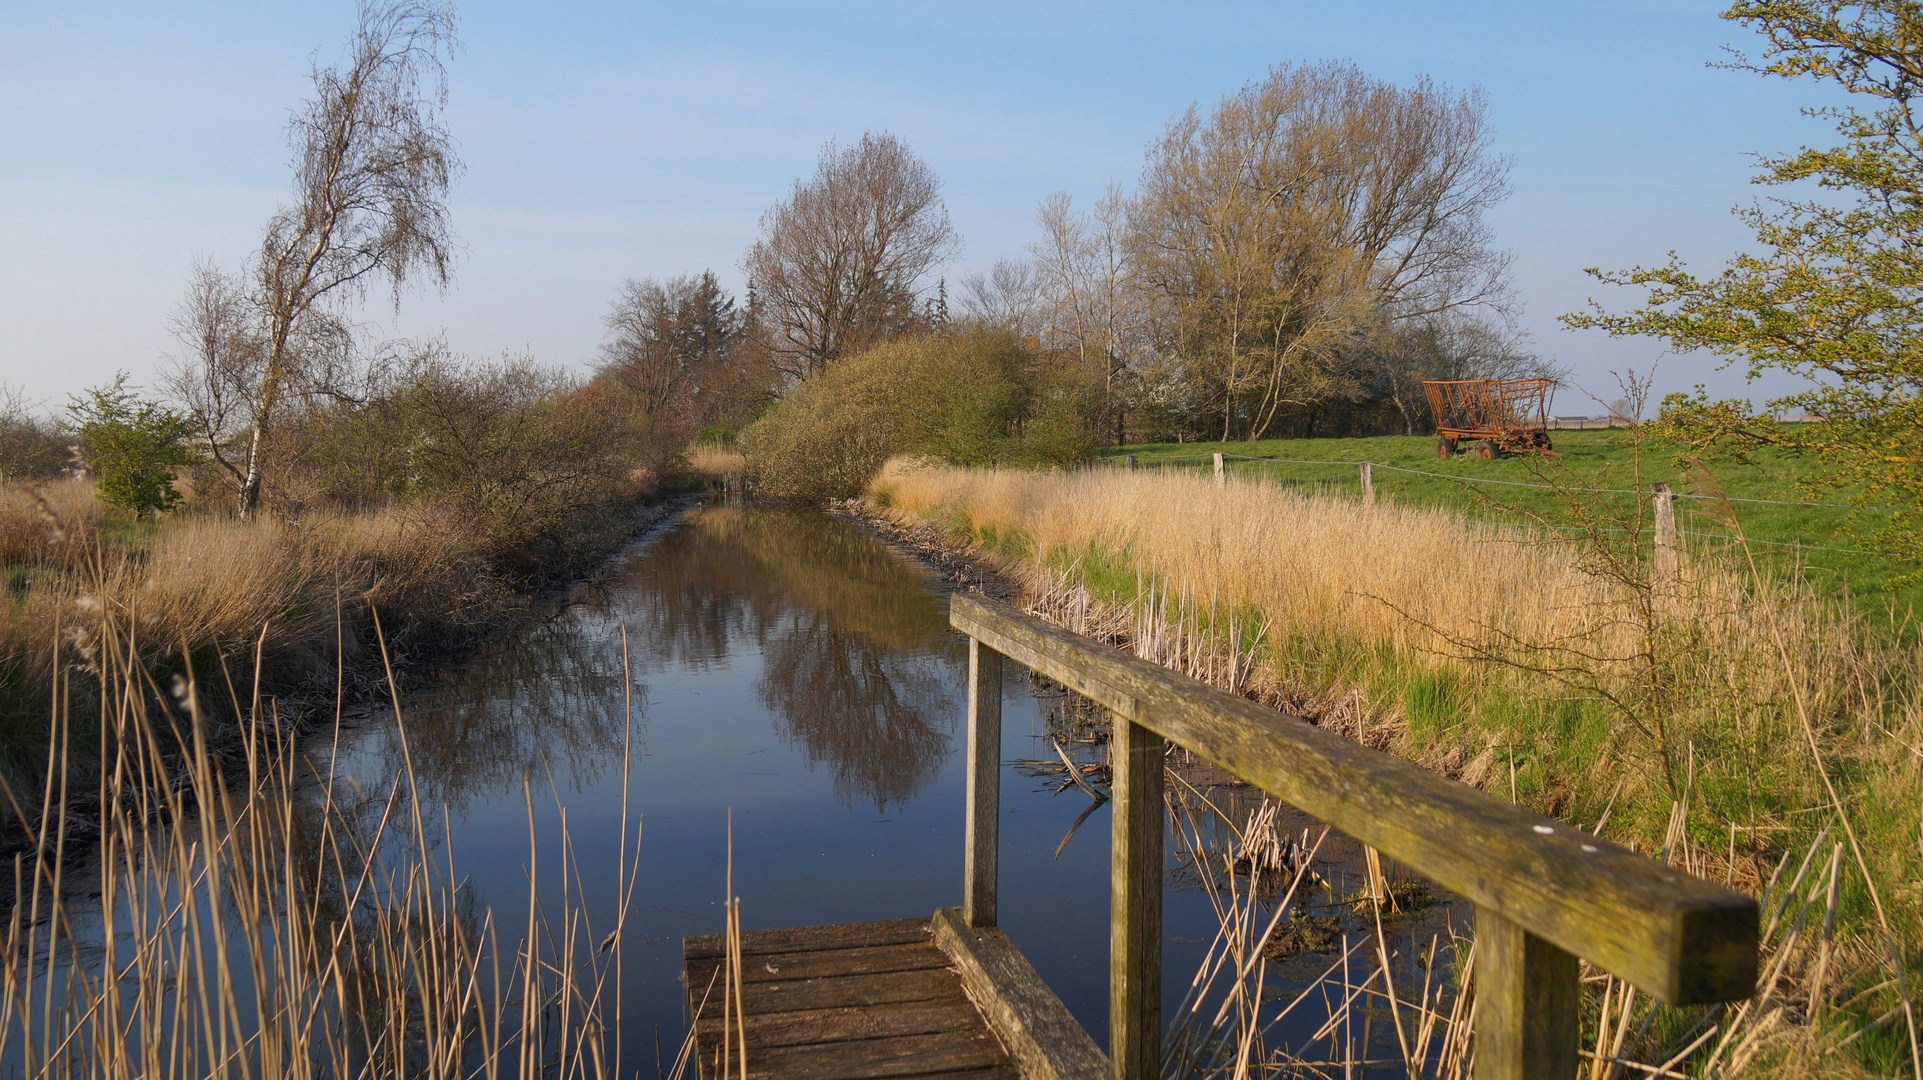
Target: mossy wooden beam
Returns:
[1678, 937]
[1025, 1014]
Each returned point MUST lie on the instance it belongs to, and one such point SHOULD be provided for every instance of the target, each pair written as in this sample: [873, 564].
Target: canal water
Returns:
[789, 678]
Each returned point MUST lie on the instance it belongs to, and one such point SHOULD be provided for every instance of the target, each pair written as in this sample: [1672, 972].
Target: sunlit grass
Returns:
[1587, 459]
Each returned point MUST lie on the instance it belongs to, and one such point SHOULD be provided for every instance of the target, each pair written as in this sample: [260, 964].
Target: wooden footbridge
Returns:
[950, 996]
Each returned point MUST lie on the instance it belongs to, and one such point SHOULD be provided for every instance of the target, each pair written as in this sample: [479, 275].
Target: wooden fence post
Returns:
[1130, 459]
[984, 804]
[1221, 477]
[1368, 485]
[1527, 994]
[1135, 903]
[1665, 531]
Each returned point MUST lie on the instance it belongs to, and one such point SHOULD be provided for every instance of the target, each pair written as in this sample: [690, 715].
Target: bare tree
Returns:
[1095, 306]
[373, 163]
[840, 262]
[31, 446]
[1449, 345]
[668, 341]
[1309, 212]
[1006, 298]
[218, 375]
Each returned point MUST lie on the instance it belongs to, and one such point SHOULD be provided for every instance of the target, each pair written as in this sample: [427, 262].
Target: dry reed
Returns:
[714, 461]
[255, 923]
[1427, 584]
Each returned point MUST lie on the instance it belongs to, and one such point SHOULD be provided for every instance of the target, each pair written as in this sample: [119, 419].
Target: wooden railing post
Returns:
[1135, 904]
[984, 784]
[1368, 484]
[1221, 473]
[1526, 1004]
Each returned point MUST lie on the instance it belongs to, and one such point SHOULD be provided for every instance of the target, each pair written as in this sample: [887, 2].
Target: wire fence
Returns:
[1373, 465]
[1520, 483]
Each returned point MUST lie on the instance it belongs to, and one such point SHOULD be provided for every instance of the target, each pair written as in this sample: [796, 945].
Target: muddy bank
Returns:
[965, 566]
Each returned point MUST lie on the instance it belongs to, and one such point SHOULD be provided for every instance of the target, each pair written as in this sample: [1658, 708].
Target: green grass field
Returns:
[1589, 459]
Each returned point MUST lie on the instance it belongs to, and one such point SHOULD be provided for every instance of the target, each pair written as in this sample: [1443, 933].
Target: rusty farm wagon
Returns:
[1491, 417]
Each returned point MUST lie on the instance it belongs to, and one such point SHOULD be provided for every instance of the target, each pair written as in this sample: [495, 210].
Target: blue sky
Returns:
[604, 141]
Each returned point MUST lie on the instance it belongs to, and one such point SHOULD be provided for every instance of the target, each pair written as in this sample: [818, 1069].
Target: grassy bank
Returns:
[284, 608]
[1728, 712]
[1412, 475]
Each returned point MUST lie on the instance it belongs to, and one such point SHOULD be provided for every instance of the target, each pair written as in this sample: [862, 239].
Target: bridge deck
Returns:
[853, 1001]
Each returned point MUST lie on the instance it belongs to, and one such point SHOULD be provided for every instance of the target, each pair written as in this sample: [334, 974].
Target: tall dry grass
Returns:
[1331, 594]
[1429, 585]
[1715, 710]
[290, 605]
[715, 461]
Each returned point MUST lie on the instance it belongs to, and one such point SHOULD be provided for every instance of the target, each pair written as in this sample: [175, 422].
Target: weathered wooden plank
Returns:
[1680, 938]
[820, 963]
[1135, 903]
[984, 801]
[849, 992]
[842, 1025]
[1024, 1013]
[806, 938]
[1527, 996]
[874, 1059]
[996, 1072]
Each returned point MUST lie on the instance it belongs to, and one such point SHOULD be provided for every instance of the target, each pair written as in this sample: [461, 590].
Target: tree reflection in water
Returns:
[858, 664]
[857, 659]
[549, 695]
[866, 712]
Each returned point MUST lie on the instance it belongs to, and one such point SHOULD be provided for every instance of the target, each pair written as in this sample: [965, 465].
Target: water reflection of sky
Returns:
[787, 669]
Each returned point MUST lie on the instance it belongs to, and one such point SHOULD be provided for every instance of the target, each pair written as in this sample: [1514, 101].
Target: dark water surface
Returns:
[788, 670]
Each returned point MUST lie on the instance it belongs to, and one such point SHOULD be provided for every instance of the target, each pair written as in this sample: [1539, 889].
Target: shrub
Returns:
[134, 447]
[977, 397]
[30, 446]
[526, 457]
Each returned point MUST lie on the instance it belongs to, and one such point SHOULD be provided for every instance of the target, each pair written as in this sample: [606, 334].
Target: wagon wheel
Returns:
[1488, 450]
[1445, 446]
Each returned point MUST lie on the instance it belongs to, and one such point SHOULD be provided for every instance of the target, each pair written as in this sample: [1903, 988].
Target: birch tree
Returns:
[373, 164]
[1094, 304]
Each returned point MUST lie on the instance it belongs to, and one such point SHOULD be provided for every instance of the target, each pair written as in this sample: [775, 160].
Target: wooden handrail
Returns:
[1544, 892]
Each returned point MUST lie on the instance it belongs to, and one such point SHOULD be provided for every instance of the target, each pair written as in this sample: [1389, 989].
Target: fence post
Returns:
[1665, 530]
[1368, 485]
[1221, 477]
[984, 807]
[1130, 460]
[1135, 903]
[1527, 993]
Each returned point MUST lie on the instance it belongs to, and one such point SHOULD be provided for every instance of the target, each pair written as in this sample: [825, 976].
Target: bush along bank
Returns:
[1719, 718]
[966, 396]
